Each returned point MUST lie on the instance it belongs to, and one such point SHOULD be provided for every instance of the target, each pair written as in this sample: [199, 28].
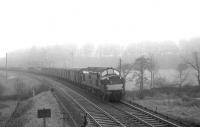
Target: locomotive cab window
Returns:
[104, 73]
[116, 72]
[110, 71]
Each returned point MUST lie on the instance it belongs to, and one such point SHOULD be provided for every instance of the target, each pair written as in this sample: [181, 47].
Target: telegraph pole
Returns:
[6, 67]
[72, 60]
[120, 65]
[120, 70]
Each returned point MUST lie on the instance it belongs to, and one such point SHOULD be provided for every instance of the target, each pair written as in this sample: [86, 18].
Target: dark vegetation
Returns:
[23, 93]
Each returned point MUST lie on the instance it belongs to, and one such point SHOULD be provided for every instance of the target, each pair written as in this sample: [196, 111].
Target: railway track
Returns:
[143, 116]
[110, 115]
[97, 116]
[134, 116]
[131, 116]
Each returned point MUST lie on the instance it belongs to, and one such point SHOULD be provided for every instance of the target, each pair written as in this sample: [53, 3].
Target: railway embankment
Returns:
[25, 114]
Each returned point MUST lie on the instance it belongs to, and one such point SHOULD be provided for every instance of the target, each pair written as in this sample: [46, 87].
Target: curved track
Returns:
[113, 115]
[97, 116]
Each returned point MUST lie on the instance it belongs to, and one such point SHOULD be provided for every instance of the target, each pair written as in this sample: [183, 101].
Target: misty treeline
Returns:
[91, 54]
[186, 58]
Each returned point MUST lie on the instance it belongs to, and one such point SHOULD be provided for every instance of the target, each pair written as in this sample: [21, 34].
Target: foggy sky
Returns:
[46, 22]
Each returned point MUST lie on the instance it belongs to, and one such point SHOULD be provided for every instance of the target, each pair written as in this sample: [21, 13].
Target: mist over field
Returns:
[167, 54]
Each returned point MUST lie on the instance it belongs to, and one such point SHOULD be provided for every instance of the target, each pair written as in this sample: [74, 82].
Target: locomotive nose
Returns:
[114, 83]
[115, 80]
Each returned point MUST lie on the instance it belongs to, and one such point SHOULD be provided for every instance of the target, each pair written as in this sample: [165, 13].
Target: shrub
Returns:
[44, 86]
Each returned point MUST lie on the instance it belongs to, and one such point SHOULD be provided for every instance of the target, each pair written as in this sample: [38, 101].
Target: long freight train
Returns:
[105, 82]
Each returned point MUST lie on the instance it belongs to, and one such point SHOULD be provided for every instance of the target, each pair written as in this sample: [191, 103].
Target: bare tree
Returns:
[152, 68]
[195, 64]
[126, 69]
[140, 65]
[182, 75]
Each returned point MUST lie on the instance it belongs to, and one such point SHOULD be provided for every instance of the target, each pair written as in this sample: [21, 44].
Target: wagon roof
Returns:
[96, 69]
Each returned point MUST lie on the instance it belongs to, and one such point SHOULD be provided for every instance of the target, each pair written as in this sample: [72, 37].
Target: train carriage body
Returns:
[103, 81]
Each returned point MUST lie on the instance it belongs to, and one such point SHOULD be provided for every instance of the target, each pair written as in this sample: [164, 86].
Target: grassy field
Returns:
[170, 102]
[175, 108]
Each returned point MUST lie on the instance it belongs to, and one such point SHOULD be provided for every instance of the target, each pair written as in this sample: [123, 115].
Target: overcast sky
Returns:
[24, 23]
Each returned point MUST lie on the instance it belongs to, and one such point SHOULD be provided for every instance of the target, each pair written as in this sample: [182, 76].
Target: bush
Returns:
[44, 86]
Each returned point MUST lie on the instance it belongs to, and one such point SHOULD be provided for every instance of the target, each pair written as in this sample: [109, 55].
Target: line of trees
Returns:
[139, 67]
[148, 63]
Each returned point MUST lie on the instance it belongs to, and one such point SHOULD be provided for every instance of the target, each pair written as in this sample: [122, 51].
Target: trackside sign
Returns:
[44, 113]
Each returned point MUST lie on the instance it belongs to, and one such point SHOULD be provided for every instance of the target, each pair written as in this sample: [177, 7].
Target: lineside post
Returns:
[44, 122]
[6, 68]
[120, 65]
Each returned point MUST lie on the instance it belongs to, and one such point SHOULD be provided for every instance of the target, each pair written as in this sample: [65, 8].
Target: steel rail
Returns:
[83, 109]
[110, 119]
[150, 114]
[134, 116]
[63, 106]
